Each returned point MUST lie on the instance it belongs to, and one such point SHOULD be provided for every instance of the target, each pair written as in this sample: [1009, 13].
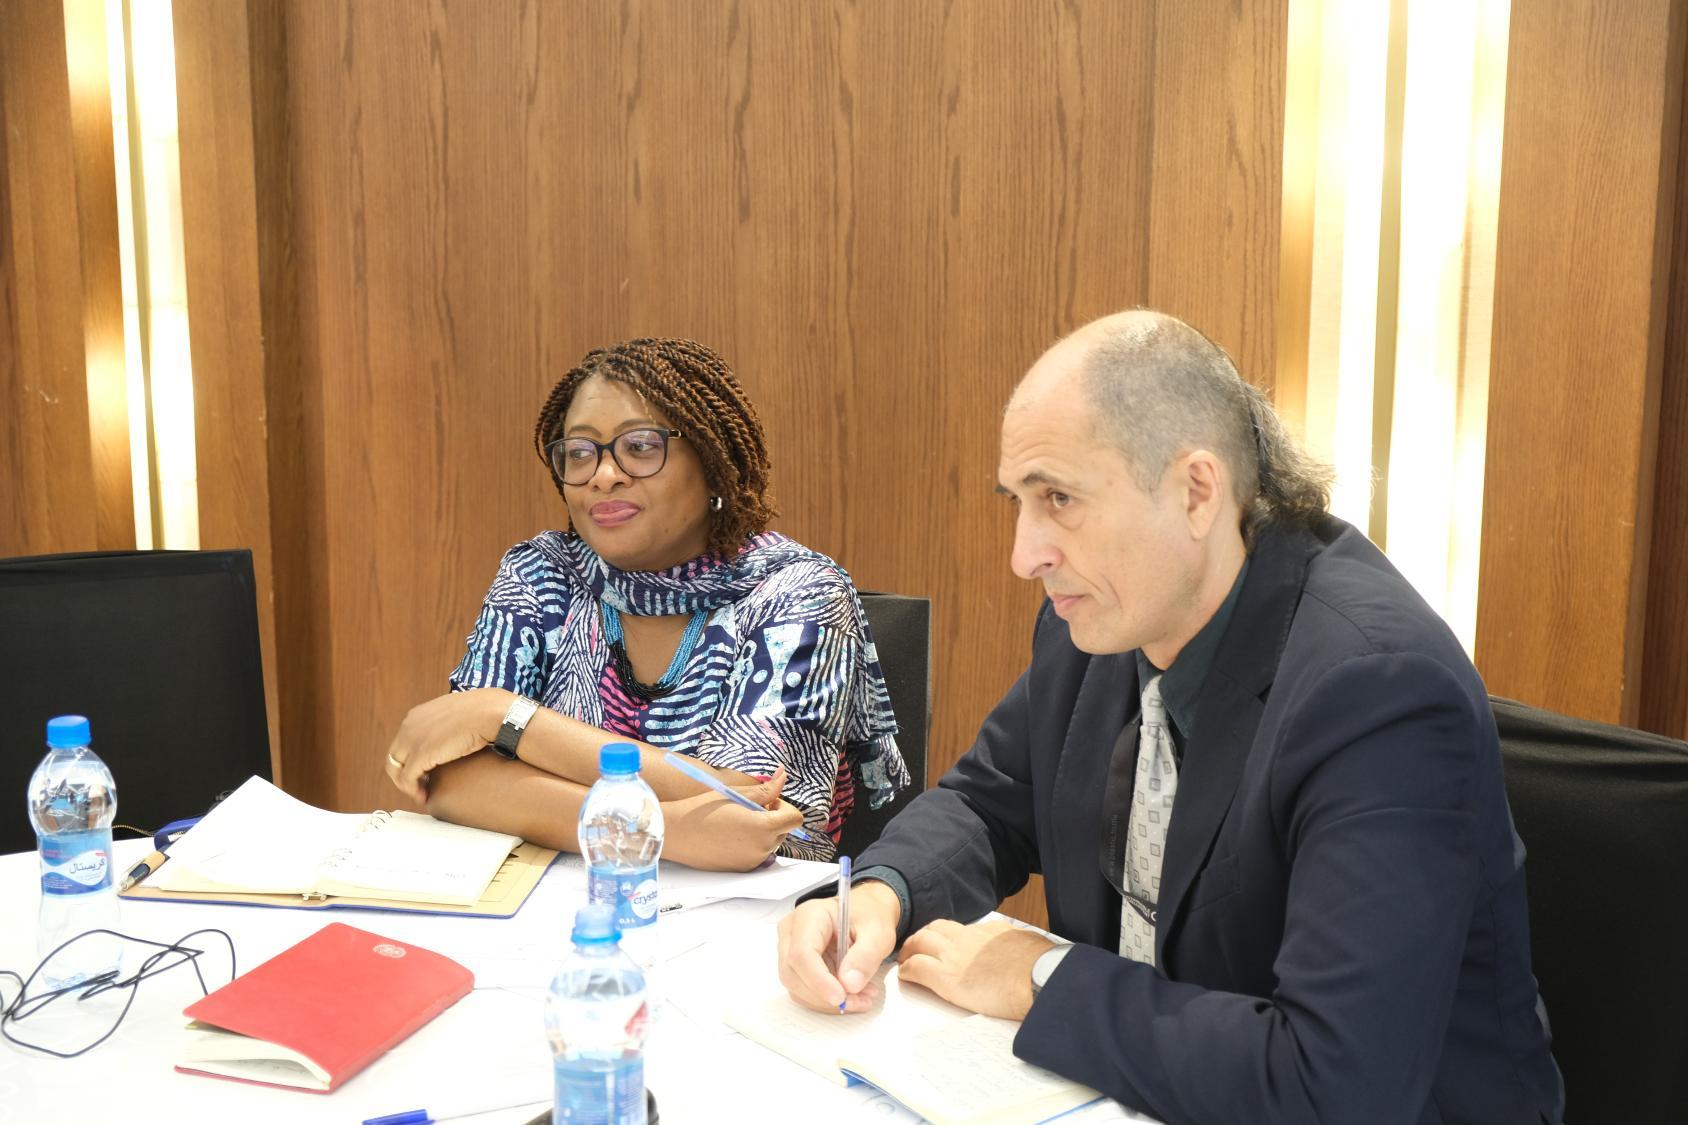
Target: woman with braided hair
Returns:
[668, 615]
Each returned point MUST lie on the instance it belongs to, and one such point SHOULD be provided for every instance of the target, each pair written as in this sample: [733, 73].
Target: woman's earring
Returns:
[715, 503]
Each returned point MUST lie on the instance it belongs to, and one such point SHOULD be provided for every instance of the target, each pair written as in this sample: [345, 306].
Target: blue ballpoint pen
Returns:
[423, 1117]
[690, 769]
[843, 919]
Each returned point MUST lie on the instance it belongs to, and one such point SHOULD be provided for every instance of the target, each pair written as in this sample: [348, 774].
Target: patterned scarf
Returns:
[709, 582]
[706, 582]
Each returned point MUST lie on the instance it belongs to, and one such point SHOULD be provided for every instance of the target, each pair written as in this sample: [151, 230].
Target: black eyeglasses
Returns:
[638, 453]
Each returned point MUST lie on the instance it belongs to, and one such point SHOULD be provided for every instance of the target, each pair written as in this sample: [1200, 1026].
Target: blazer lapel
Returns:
[1107, 701]
[1119, 777]
[1228, 713]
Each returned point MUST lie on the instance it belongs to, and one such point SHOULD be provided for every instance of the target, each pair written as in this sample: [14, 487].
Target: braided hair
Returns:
[702, 398]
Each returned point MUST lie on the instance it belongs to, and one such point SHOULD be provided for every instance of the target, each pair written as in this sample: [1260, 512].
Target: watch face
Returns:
[515, 721]
[1044, 966]
[520, 713]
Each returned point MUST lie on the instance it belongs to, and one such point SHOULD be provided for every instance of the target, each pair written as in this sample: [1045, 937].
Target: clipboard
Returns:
[509, 889]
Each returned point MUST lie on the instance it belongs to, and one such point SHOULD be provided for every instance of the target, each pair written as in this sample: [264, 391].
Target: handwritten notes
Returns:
[931, 1056]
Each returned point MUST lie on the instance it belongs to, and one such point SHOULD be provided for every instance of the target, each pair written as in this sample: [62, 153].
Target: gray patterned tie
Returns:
[1151, 813]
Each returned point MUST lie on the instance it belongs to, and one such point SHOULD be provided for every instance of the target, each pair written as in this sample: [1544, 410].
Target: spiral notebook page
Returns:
[966, 1072]
[936, 1059]
[260, 840]
[816, 1039]
[418, 858]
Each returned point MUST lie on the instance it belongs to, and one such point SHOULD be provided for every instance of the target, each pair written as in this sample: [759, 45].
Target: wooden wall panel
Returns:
[1215, 216]
[881, 214]
[407, 219]
[102, 285]
[1582, 267]
[417, 365]
[1664, 666]
[47, 492]
[13, 531]
[220, 237]
[297, 546]
[1664, 699]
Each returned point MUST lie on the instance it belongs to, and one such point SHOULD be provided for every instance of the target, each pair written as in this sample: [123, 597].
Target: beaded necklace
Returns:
[624, 667]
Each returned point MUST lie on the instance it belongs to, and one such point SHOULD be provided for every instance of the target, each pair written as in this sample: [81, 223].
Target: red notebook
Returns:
[314, 1015]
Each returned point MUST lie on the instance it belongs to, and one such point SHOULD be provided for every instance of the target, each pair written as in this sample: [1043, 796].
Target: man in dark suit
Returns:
[1257, 772]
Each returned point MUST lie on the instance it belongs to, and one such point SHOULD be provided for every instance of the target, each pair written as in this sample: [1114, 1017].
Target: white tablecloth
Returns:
[488, 1049]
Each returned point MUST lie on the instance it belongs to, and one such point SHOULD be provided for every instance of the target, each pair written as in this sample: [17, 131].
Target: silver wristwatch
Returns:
[1045, 966]
[515, 722]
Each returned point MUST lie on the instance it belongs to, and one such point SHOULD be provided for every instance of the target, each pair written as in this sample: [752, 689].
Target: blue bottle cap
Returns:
[596, 923]
[67, 731]
[619, 758]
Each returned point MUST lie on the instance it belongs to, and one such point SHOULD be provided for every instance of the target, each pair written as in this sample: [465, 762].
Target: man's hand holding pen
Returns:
[985, 967]
[808, 940]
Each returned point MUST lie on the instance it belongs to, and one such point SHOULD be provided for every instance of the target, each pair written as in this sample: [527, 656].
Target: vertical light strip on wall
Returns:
[1450, 191]
[1389, 234]
[160, 272]
[1400, 289]
[140, 460]
[1488, 123]
[1352, 57]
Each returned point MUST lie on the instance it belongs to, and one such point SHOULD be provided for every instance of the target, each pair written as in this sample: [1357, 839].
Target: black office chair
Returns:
[1603, 813]
[902, 632]
[160, 650]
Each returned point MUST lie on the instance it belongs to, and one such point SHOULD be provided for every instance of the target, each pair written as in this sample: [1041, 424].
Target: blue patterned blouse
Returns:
[785, 671]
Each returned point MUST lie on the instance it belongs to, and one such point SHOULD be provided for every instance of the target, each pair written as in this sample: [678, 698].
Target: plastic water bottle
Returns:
[72, 802]
[596, 1019]
[621, 838]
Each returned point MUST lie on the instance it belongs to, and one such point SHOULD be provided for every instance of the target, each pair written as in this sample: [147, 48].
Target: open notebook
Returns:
[261, 841]
[937, 1059]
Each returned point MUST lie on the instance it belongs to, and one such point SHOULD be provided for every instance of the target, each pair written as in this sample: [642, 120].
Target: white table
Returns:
[487, 1049]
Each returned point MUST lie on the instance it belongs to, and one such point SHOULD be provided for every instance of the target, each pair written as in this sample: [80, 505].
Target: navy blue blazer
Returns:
[1342, 932]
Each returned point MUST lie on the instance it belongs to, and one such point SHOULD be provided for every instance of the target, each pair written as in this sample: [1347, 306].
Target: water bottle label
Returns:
[632, 893]
[600, 1094]
[70, 867]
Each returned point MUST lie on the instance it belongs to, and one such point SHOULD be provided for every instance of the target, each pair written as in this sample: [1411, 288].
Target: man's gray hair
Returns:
[1161, 388]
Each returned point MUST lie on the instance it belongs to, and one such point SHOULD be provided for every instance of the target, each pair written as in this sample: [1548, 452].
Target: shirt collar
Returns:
[1182, 683]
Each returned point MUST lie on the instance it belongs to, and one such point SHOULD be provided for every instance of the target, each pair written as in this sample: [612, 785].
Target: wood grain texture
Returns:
[1217, 160]
[102, 273]
[220, 237]
[880, 213]
[298, 549]
[1298, 175]
[47, 492]
[1588, 180]
[1664, 665]
[12, 464]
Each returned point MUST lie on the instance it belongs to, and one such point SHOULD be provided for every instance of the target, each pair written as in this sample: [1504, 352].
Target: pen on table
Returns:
[843, 919]
[141, 870]
[688, 903]
[423, 1117]
[693, 771]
